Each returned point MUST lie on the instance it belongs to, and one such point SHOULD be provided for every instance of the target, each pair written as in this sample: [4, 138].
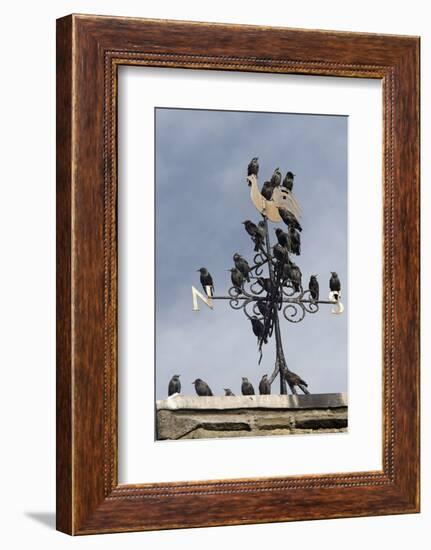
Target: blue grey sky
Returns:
[201, 199]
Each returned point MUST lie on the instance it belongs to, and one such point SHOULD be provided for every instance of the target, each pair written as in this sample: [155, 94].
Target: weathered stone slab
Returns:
[263, 416]
[313, 401]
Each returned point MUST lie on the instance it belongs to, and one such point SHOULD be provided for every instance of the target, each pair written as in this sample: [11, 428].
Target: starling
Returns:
[265, 283]
[280, 252]
[263, 307]
[295, 276]
[242, 265]
[206, 280]
[288, 181]
[286, 274]
[334, 282]
[294, 380]
[294, 241]
[276, 177]
[250, 227]
[253, 230]
[289, 218]
[237, 278]
[264, 385]
[267, 190]
[261, 229]
[253, 167]
[258, 329]
[202, 388]
[246, 387]
[228, 392]
[313, 287]
[283, 238]
[174, 385]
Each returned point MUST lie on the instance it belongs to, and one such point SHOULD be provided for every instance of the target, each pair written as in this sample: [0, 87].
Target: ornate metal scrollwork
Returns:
[294, 312]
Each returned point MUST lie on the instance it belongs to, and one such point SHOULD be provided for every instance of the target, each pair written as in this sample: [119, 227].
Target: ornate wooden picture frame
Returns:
[89, 51]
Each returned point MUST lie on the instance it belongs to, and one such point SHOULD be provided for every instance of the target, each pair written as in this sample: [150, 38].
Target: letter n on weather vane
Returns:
[206, 299]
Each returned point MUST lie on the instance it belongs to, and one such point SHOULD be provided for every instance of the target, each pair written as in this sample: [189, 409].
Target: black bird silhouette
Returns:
[286, 275]
[228, 392]
[295, 276]
[242, 265]
[263, 307]
[236, 277]
[253, 167]
[261, 229]
[283, 238]
[265, 283]
[334, 282]
[258, 329]
[264, 385]
[174, 385]
[294, 241]
[294, 380]
[206, 279]
[288, 181]
[202, 388]
[246, 387]
[267, 190]
[313, 287]
[276, 177]
[253, 230]
[289, 218]
[280, 252]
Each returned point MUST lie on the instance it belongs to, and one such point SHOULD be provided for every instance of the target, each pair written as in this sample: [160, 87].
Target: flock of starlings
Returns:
[290, 242]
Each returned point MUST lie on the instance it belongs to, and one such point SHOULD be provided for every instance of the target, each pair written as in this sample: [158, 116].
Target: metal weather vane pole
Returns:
[282, 294]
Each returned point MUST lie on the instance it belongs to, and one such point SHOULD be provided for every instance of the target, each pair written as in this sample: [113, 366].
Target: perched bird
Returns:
[294, 241]
[288, 181]
[236, 277]
[253, 230]
[261, 229]
[294, 380]
[265, 283]
[286, 273]
[242, 265]
[263, 307]
[280, 252]
[206, 280]
[313, 287]
[295, 276]
[258, 329]
[267, 190]
[228, 392]
[334, 282]
[174, 385]
[283, 238]
[250, 227]
[202, 388]
[264, 385]
[246, 387]
[289, 218]
[276, 177]
[253, 167]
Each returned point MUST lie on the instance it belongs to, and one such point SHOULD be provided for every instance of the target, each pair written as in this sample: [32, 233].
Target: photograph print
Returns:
[251, 274]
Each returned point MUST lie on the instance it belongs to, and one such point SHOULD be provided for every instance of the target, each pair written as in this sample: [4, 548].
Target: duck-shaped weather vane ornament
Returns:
[271, 285]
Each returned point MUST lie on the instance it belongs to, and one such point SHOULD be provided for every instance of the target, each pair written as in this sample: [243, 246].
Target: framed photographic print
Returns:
[237, 274]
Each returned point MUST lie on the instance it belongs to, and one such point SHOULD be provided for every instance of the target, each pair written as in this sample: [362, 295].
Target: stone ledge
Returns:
[312, 401]
[210, 417]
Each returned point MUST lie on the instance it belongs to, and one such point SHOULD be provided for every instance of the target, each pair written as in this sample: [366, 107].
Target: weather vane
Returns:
[264, 299]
